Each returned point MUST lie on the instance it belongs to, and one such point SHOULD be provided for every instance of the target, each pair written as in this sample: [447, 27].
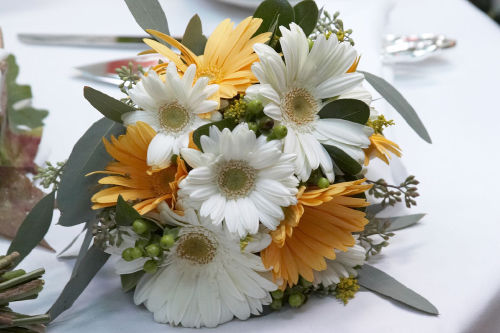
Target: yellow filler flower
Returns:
[381, 147]
[226, 60]
[321, 222]
[130, 174]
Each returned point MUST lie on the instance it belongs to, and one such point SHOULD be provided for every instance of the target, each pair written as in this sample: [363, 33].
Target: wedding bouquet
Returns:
[229, 181]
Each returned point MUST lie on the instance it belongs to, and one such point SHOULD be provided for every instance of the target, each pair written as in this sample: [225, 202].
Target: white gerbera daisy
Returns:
[293, 92]
[342, 266]
[206, 279]
[240, 178]
[171, 108]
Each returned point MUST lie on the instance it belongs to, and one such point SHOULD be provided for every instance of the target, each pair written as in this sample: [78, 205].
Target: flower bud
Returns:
[167, 241]
[150, 266]
[323, 182]
[136, 252]
[254, 107]
[140, 227]
[153, 250]
[127, 254]
[295, 300]
[280, 132]
[277, 294]
[276, 304]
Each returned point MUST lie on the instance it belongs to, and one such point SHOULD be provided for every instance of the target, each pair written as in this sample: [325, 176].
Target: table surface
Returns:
[451, 257]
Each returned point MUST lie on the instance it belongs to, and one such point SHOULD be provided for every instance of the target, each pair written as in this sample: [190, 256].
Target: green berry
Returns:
[304, 283]
[254, 107]
[276, 304]
[141, 243]
[280, 132]
[253, 126]
[153, 250]
[323, 182]
[167, 241]
[140, 227]
[137, 252]
[127, 254]
[277, 294]
[295, 300]
[150, 266]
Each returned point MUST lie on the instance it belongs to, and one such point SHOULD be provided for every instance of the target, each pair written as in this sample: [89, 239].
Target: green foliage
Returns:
[331, 25]
[76, 189]
[381, 283]
[270, 11]
[125, 213]
[107, 105]
[130, 76]
[34, 227]
[348, 109]
[345, 162]
[149, 15]
[204, 130]
[193, 37]
[391, 194]
[129, 281]
[50, 174]
[306, 15]
[399, 103]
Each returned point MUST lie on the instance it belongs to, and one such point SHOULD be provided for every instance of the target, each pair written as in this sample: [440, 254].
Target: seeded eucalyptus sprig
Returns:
[50, 175]
[392, 194]
[129, 75]
[378, 228]
[331, 25]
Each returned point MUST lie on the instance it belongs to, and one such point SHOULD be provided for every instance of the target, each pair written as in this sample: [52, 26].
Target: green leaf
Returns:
[348, 109]
[345, 162]
[379, 282]
[85, 246]
[193, 37]
[306, 15]
[91, 263]
[129, 281]
[125, 213]
[398, 102]
[34, 227]
[76, 189]
[204, 130]
[149, 15]
[269, 9]
[401, 222]
[374, 209]
[107, 105]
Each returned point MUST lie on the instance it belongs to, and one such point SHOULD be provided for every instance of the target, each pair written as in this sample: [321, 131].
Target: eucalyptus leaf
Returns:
[76, 189]
[84, 247]
[193, 37]
[129, 281]
[149, 15]
[345, 162]
[348, 109]
[306, 15]
[374, 209]
[204, 130]
[125, 213]
[269, 9]
[110, 108]
[91, 263]
[379, 282]
[34, 227]
[398, 102]
[401, 222]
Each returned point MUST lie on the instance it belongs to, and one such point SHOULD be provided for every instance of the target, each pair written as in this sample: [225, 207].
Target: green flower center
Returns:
[235, 179]
[198, 246]
[299, 106]
[174, 117]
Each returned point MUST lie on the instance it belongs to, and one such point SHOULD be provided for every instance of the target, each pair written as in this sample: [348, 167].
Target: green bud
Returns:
[174, 231]
[13, 274]
[137, 252]
[280, 131]
[265, 123]
[141, 243]
[150, 266]
[304, 283]
[277, 294]
[127, 254]
[167, 241]
[323, 182]
[295, 300]
[153, 250]
[255, 107]
[253, 127]
[173, 159]
[140, 226]
[276, 304]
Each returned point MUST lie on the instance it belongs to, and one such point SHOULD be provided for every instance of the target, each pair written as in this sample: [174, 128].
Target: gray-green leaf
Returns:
[125, 213]
[204, 130]
[268, 11]
[345, 162]
[377, 281]
[76, 189]
[34, 227]
[129, 281]
[92, 262]
[107, 105]
[193, 37]
[348, 109]
[149, 15]
[398, 102]
[401, 222]
[306, 15]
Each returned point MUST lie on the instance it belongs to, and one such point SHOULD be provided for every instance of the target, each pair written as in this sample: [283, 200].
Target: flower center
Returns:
[174, 117]
[299, 106]
[198, 246]
[212, 73]
[235, 179]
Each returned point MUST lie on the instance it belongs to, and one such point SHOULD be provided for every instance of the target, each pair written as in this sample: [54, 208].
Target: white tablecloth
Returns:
[451, 257]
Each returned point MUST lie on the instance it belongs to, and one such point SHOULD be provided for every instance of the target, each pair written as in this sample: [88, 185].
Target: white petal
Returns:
[160, 151]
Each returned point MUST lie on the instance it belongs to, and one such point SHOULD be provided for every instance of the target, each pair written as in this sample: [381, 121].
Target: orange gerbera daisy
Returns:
[131, 176]
[381, 147]
[227, 58]
[321, 222]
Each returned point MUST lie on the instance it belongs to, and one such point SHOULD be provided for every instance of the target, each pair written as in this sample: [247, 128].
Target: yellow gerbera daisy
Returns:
[381, 147]
[321, 222]
[226, 60]
[131, 175]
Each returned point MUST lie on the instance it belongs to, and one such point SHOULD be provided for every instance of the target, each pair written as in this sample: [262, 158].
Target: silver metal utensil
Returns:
[413, 48]
[83, 40]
